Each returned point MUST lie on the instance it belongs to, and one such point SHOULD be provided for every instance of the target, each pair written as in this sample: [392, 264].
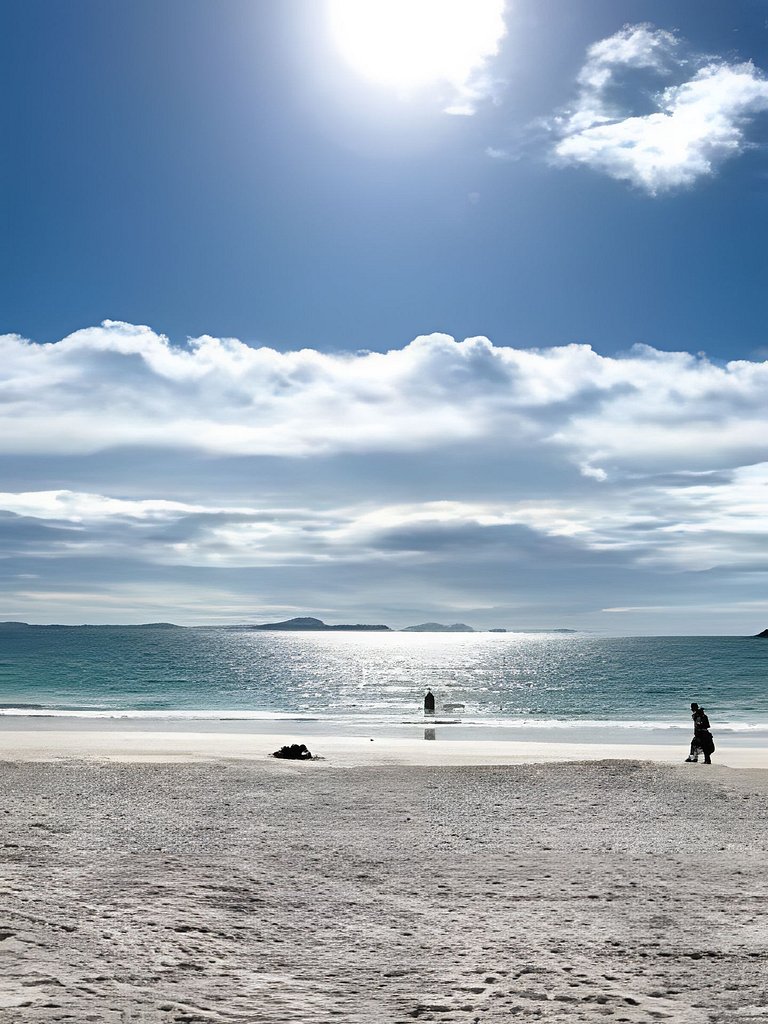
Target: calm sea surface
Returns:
[374, 680]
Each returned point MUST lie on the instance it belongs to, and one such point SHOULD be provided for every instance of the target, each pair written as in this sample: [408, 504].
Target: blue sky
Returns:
[230, 173]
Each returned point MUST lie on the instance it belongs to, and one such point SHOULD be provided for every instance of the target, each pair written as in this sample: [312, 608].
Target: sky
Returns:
[390, 311]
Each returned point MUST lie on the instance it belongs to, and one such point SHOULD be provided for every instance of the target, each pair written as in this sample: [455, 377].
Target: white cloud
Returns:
[119, 385]
[635, 46]
[76, 507]
[593, 472]
[215, 535]
[515, 477]
[699, 122]
[685, 522]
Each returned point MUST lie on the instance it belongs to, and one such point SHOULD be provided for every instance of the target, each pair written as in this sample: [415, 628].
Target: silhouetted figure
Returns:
[702, 742]
[429, 703]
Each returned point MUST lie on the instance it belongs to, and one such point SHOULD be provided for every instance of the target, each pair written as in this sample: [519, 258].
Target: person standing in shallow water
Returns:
[702, 741]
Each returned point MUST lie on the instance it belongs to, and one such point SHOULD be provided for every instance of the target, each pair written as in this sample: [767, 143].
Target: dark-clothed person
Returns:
[702, 741]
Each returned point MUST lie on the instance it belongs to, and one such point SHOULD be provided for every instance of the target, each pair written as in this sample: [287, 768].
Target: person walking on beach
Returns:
[702, 741]
[429, 702]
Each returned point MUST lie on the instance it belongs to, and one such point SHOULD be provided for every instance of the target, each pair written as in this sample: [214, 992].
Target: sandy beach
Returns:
[156, 888]
[54, 739]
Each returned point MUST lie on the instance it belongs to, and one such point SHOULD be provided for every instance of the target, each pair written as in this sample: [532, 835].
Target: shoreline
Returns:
[413, 727]
[73, 741]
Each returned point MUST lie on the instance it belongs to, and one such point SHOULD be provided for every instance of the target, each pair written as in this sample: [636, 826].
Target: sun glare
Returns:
[411, 43]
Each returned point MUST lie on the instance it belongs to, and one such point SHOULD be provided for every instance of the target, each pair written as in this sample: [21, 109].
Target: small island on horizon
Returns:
[13, 624]
[438, 627]
[304, 623]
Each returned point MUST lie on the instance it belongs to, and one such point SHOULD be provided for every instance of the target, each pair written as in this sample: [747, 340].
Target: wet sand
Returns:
[265, 891]
[54, 739]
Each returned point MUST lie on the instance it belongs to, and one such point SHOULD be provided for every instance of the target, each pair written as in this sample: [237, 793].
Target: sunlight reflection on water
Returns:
[501, 677]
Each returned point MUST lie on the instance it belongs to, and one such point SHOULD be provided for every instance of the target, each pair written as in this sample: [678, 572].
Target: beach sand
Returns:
[157, 888]
[54, 739]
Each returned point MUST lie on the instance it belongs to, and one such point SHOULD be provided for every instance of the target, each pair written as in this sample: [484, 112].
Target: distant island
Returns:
[90, 625]
[763, 634]
[307, 623]
[438, 627]
[301, 623]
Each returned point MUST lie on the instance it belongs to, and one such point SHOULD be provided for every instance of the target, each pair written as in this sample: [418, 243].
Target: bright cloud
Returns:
[123, 386]
[76, 508]
[468, 473]
[699, 121]
[689, 522]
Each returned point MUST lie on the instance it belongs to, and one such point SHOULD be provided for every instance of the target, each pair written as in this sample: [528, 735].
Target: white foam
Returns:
[161, 714]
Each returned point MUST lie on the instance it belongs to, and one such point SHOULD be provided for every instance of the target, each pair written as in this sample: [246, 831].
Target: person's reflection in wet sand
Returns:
[429, 734]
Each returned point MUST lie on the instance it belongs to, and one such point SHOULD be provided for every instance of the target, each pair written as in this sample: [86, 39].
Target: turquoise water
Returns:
[514, 681]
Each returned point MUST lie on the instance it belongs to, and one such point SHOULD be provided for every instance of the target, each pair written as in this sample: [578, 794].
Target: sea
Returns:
[579, 686]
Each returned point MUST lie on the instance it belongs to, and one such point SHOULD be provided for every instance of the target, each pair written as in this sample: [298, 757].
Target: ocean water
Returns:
[510, 684]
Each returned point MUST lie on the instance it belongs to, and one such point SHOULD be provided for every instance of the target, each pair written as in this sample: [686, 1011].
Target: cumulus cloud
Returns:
[460, 471]
[123, 386]
[699, 120]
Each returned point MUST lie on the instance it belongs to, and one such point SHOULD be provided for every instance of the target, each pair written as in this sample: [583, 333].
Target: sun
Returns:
[407, 44]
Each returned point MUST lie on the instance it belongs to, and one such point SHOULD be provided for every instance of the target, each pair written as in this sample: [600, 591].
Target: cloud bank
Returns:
[689, 521]
[698, 122]
[119, 385]
[459, 475]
